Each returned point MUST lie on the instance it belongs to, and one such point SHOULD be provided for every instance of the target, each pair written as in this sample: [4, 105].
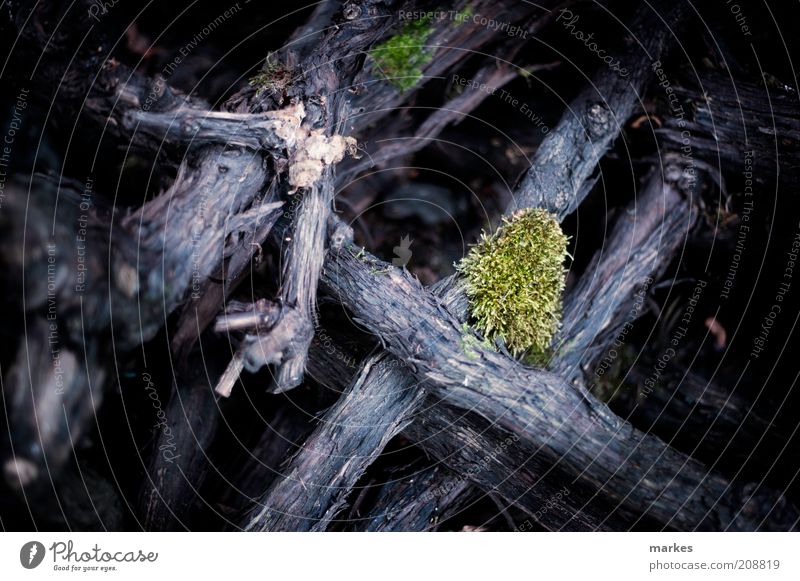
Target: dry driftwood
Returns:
[545, 149]
[330, 66]
[656, 228]
[466, 439]
[558, 422]
[186, 234]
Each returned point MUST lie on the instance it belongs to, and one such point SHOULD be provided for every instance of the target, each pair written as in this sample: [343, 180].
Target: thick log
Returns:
[495, 460]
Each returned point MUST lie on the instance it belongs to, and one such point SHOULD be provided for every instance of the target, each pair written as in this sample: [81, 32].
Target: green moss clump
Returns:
[514, 281]
[401, 58]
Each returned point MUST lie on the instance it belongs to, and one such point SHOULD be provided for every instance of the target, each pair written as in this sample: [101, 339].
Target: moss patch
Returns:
[273, 78]
[464, 15]
[401, 58]
[515, 279]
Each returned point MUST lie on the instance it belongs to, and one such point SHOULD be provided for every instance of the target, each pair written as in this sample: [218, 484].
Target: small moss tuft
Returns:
[464, 15]
[401, 58]
[273, 78]
[514, 280]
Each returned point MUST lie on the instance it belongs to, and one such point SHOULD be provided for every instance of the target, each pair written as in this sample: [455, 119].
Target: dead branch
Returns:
[315, 484]
[569, 154]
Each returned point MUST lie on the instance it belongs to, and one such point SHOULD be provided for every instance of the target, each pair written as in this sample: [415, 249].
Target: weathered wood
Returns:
[561, 424]
[600, 310]
[563, 164]
[329, 67]
[292, 335]
[194, 127]
[651, 229]
[567, 122]
[415, 503]
[315, 484]
[661, 223]
[725, 120]
[189, 225]
[497, 461]
[587, 453]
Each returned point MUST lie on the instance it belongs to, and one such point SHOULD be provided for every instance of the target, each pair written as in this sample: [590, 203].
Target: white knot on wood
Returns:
[315, 151]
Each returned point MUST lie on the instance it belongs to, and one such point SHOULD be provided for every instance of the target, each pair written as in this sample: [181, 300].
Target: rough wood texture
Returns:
[415, 503]
[556, 146]
[559, 423]
[546, 494]
[522, 433]
[569, 154]
[197, 127]
[647, 235]
[495, 460]
[314, 486]
[652, 233]
[724, 117]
